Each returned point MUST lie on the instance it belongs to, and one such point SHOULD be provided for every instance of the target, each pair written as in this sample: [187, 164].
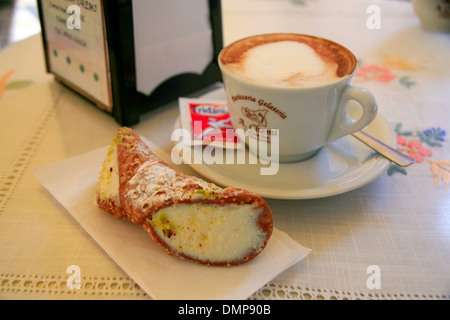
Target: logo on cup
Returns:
[259, 116]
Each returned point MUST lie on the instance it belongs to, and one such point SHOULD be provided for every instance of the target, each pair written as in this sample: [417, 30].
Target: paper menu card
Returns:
[76, 47]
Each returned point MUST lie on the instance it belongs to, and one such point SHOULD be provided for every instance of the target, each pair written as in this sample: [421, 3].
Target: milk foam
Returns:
[285, 63]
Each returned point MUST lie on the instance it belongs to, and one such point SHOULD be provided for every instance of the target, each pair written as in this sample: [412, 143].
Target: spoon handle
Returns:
[389, 153]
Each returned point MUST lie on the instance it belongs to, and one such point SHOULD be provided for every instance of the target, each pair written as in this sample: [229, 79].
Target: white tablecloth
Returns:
[399, 223]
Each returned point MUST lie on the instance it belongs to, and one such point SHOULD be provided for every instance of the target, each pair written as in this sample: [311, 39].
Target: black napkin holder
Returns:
[125, 103]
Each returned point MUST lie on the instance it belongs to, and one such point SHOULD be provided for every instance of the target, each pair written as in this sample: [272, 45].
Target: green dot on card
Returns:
[95, 76]
[68, 60]
[81, 68]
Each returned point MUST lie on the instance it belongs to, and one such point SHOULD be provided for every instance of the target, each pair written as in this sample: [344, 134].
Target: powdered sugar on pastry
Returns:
[188, 216]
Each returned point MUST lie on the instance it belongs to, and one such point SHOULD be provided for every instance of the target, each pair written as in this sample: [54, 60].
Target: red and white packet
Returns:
[208, 122]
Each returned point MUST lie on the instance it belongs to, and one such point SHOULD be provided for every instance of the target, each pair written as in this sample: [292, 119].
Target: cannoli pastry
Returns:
[189, 217]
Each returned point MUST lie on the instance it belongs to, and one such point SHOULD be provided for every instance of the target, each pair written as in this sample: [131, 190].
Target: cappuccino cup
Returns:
[434, 15]
[292, 90]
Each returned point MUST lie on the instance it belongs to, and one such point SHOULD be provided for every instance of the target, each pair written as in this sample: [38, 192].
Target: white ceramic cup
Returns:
[434, 15]
[306, 117]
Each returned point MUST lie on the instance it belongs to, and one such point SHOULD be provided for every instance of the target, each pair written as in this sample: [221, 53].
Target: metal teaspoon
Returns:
[389, 153]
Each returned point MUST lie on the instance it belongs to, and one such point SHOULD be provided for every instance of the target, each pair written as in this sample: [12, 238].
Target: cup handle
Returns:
[343, 125]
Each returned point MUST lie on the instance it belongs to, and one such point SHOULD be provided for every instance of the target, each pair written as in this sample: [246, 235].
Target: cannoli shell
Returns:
[148, 184]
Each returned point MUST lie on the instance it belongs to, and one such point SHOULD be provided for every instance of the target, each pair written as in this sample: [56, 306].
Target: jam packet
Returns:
[208, 123]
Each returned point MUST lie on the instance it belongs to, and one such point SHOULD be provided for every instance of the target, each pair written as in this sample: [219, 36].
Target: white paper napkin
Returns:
[168, 41]
[73, 183]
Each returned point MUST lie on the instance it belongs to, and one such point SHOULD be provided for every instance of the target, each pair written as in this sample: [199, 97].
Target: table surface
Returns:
[397, 225]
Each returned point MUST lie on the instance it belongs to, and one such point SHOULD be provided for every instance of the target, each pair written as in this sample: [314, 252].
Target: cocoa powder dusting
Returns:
[328, 50]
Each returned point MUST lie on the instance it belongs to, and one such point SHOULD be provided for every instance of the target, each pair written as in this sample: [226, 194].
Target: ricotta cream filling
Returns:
[108, 183]
[210, 231]
[202, 231]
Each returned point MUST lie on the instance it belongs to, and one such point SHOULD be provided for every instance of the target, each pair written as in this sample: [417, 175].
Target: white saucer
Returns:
[340, 166]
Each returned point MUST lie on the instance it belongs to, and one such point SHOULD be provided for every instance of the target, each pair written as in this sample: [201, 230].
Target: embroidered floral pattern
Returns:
[414, 149]
[416, 146]
[399, 63]
[432, 136]
[3, 80]
[407, 82]
[439, 166]
[17, 84]
[373, 72]
[384, 73]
